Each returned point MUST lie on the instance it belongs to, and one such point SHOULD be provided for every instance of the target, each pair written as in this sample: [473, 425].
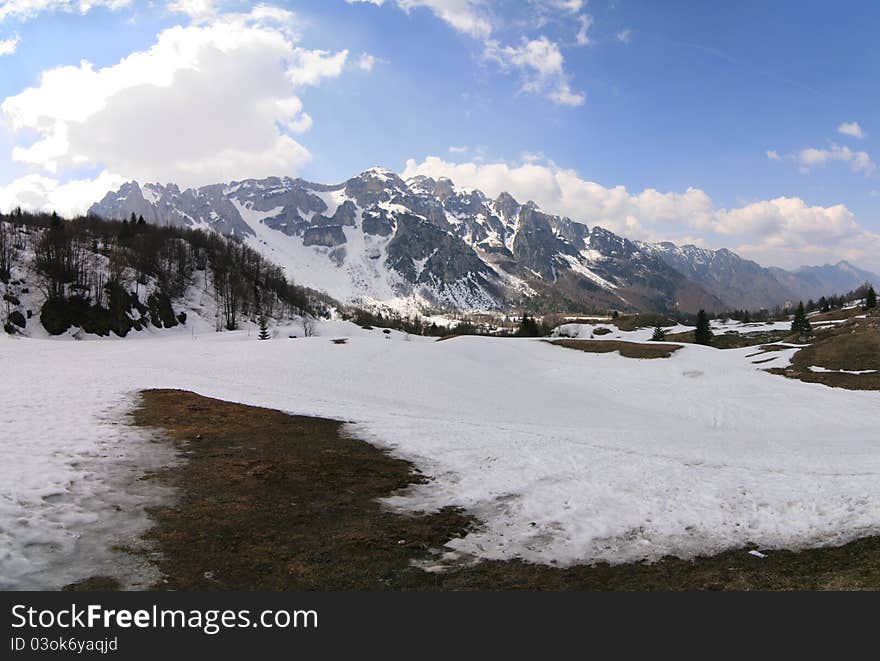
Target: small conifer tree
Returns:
[799, 323]
[528, 327]
[870, 298]
[659, 334]
[703, 334]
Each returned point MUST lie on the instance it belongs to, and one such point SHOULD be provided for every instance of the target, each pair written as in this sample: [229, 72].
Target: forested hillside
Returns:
[105, 277]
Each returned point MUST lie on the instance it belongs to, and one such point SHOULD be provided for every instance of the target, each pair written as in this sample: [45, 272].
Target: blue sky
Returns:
[748, 125]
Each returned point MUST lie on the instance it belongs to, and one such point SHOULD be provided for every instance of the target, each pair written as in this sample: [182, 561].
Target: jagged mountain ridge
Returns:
[378, 239]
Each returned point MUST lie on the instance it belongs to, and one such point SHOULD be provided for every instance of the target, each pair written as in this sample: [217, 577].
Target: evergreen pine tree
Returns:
[528, 327]
[870, 298]
[800, 324]
[659, 334]
[703, 334]
[264, 328]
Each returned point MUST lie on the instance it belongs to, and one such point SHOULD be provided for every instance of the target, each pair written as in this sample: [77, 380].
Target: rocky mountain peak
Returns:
[376, 239]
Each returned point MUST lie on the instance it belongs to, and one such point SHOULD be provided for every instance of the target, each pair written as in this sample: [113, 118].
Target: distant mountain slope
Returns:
[740, 283]
[424, 243]
[813, 282]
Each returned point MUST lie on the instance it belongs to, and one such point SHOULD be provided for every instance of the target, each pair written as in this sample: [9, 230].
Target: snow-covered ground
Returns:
[566, 456]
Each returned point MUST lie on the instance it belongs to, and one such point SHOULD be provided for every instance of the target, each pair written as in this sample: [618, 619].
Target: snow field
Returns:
[565, 456]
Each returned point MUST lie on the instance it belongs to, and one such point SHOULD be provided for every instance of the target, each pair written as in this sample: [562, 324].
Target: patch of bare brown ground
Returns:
[852, 346]
[270, 501]
[642, 320]
[626, 349]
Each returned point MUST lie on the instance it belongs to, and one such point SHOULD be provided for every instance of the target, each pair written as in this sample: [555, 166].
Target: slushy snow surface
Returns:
[565, 456]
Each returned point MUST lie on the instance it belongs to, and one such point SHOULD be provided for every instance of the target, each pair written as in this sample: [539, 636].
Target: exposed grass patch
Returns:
[626, 349]
[733, 340]
[768, 348]
[853, 345]
[859, 350]
[270, 501]
[644, 320]
[836, 315]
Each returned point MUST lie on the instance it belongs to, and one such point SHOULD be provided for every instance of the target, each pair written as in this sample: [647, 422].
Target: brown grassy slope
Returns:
[626, 349]
[853, 345]
[643, 320]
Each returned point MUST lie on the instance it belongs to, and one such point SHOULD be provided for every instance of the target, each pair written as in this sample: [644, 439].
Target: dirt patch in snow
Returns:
[642, 320]
[626, 349]
[271, 501]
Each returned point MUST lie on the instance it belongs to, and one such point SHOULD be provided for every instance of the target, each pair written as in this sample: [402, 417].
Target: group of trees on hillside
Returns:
[87, 262]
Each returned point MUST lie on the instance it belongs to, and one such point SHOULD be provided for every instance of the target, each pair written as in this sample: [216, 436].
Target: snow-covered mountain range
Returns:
[377, 239]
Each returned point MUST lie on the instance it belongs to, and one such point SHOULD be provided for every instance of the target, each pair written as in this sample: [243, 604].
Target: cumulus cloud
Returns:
[784, 231]
[40, 193]
[773, 155]
[8, 46]
[851, 129]
[209, 102]
[23, 10]
[859, 161]
[541, 65]
[624, 36]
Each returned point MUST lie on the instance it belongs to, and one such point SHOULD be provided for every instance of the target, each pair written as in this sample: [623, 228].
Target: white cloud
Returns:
[378, 3]
[309, 67]
[852, 129]
[859, 161]
[459, 150]
[198, 10]
[36, 192]
[585, 22]
[773, 155]
[9, 46]
[541, 64]
[569, 6]
[624, 36]
[367, 62]
[784, 231]
[539, 61]
[467, 16]
[207, 103]
[24, 10]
